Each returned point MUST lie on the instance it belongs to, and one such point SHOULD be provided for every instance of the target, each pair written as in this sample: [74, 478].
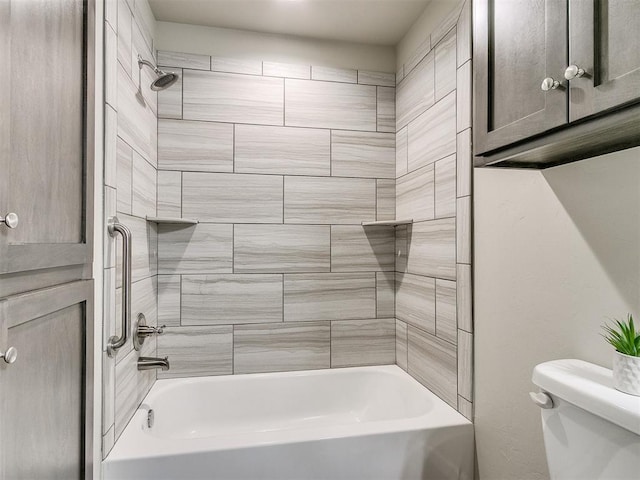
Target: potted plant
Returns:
[626, 360]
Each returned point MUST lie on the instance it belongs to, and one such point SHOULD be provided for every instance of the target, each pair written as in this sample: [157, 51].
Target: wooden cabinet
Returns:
[587, 50]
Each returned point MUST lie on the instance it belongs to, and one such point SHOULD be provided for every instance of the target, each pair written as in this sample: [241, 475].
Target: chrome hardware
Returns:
[573, 71]
[151, 417]
[542, 399]
[142, 331]
[10, 220]
[114, 228]
[10, 356]
[549, 84]
[151, 363]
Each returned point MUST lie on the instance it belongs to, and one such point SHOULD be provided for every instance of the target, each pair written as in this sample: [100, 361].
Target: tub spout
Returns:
[149, 363]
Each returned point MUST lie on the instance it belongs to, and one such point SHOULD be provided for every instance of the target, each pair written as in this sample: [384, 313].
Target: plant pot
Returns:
[626, 373]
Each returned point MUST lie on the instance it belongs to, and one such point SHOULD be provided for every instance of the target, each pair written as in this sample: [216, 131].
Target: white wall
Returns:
[225, 42]
[556, 254]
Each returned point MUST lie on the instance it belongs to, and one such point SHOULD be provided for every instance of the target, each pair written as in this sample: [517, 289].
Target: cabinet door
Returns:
[605, 42]
[517, 44]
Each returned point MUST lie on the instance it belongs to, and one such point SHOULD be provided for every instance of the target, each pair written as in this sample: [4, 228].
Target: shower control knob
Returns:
[549, 84]
[573, 71]
[10, 220]
[10, 356]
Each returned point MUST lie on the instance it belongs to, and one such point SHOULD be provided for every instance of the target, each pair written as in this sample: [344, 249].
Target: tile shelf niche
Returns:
[392, 223]
[173, 220]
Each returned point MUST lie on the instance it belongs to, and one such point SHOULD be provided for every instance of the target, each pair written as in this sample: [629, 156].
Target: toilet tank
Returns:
[591, 430]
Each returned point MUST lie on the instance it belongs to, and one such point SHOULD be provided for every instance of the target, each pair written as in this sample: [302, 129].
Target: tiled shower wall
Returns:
[130, 193]
[434, 329]
[280, 164]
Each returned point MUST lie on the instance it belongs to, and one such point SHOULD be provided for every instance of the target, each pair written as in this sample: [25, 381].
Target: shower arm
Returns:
[142, 61]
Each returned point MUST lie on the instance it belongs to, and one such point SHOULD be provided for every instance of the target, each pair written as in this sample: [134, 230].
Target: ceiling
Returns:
[378, 22]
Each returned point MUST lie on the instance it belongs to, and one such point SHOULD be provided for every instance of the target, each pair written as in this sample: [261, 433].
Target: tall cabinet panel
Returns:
[519, 43]
[605, 44]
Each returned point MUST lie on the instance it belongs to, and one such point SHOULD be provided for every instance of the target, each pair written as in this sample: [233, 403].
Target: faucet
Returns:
[149, 363]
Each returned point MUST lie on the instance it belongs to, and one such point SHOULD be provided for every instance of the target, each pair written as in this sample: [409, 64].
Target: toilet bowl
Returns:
[591, 430]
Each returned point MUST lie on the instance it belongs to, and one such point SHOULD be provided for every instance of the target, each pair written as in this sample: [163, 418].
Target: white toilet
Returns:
[591, 430]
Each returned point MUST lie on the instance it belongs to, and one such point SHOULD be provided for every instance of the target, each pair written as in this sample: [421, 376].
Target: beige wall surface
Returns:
[556, 254]
[240, 44]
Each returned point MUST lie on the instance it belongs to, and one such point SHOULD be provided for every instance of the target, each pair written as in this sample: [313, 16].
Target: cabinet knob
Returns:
[573, 71]
[10, 356]
[10, 220]
[549, 84]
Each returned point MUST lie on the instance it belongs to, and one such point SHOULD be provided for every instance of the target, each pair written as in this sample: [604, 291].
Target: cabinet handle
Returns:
[549, 84]
[10, 356]
[10, 220]
[573, 71]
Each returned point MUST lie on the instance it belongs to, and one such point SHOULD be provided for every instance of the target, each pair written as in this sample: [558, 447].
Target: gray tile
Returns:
[143, 78]
[432, 135]
[288, 70]
[228, 97]
[329, 296]
[146, 20]
[465, 365]
[416, 92]
[330, 105]
[137, 124]
[382, 79]
[184, 60]
[282, 150]
[358, 249]
[446, 310]
[110, 146]
[362, 154]
[399, 75]
[236, 65]
[423, 49]
[446, 25]
[281, 248]
[334, 74]
[363, 342]
[169, 194]
[197, 146]
[416, 301]
[415, 194]
[463, 230]
[464, 297]
[385, 294]
[197, 351]
[433, 363]
[386, 109]
[446, 187]
[464, 170]
[402, 151]
[232, 197]
[170, 100]
[385, 199]
[110, 13]
[169, 300]
[144, 187]
[231, 299]
[202, 248]
[108, 392]
[463, 102]
[131, 387]
[445, 55]
[401, 344]
[432, 249]
[464, 29]
[124, 36]
[281, 347]
[108, 441]
[110, 66]
[329, 200]
[465, 407]
[401, 248]
[124, 160]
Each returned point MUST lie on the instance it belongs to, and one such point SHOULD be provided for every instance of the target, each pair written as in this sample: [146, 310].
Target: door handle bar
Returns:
[114, 228]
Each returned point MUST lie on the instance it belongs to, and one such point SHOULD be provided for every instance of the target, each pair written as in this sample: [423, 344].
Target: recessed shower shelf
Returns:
[173, 220]
[388, 223]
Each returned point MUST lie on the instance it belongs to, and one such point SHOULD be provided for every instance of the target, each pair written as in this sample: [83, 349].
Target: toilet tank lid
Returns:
[589, 387]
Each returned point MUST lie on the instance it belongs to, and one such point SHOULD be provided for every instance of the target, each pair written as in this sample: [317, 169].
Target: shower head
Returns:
[164, 80]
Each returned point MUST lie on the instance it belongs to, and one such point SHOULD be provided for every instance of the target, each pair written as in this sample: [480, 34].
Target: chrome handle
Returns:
[549, 84]
[573, 71]
[142, 331]
[10, 220]
[542, 399]
[115, 227]
[10, 356]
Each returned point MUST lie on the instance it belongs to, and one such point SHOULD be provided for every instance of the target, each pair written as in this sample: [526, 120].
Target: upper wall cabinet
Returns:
[555, 81]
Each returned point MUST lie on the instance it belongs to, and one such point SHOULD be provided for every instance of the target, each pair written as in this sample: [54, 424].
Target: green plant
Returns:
[624, 337]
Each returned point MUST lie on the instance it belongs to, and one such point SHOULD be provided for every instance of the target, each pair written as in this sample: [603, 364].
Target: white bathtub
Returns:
[351, 423]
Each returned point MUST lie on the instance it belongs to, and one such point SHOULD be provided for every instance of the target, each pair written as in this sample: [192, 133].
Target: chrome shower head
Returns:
[164, 80]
